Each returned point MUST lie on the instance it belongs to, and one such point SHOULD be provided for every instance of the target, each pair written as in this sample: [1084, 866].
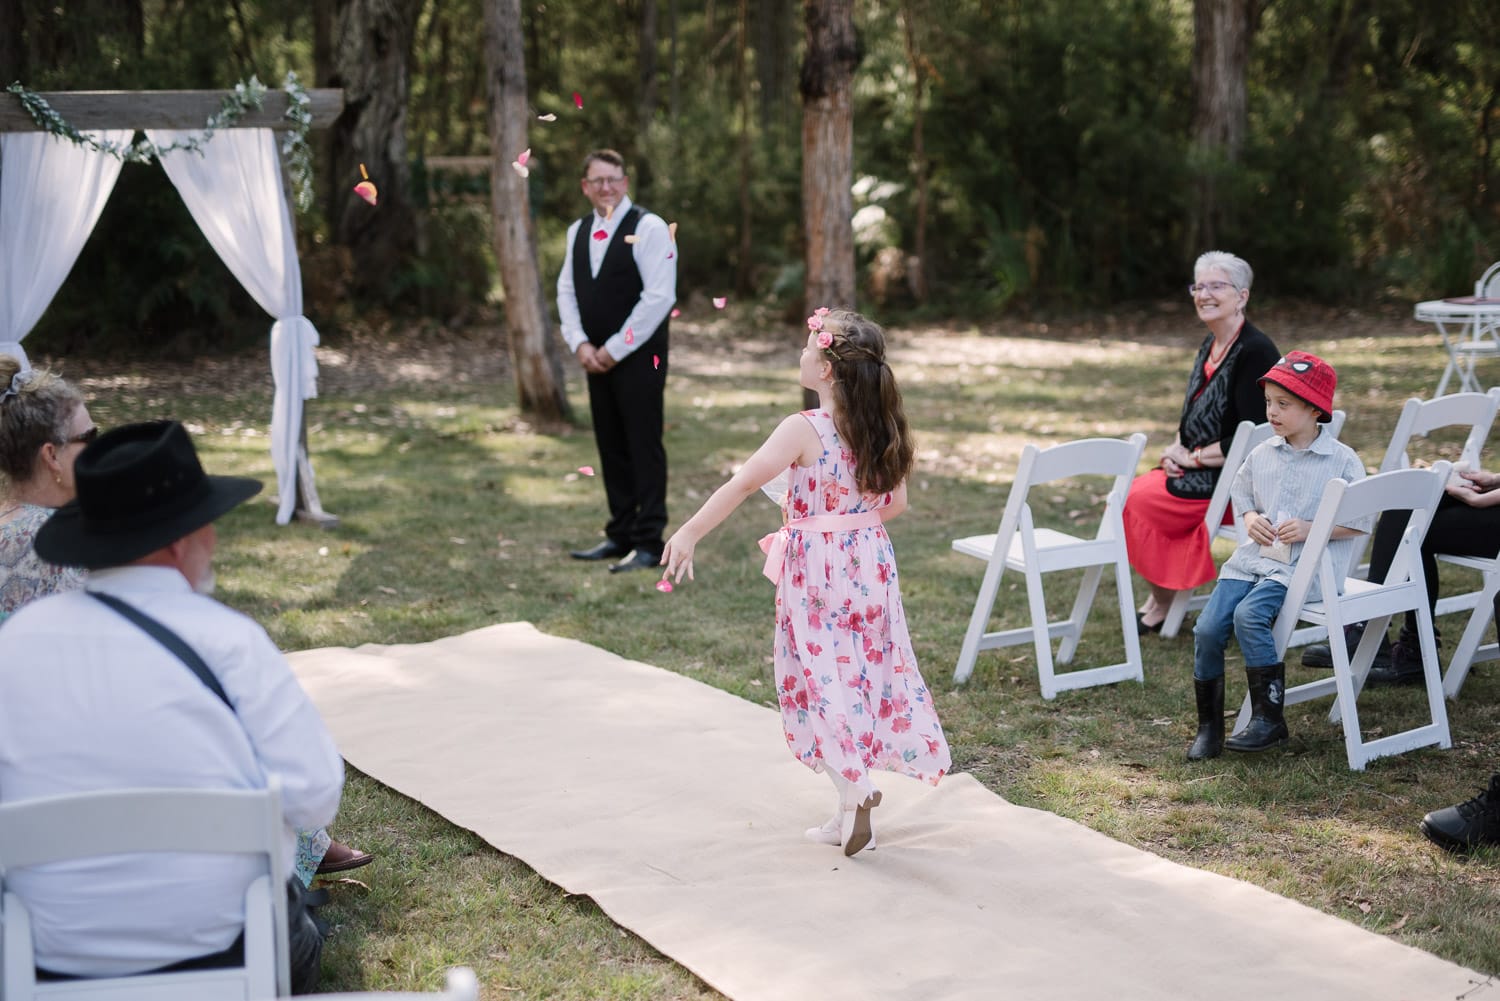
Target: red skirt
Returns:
[1165, 536]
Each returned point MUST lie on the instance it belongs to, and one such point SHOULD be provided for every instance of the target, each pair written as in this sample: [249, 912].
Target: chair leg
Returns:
[979, 620]
[1036, 602]
[1176, 612]
[1079, 616]
[1468, 643]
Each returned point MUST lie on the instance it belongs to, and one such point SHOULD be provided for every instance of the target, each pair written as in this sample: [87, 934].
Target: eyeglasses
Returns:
[602, 182]
[84, 437]
[1212, 288]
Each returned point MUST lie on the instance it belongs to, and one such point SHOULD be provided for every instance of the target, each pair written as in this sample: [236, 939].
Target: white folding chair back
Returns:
[1373, 602]
[461, 985]
[1021, 546]
[1419, 418]
[1488, 285]
[85, 825]
[1246, 436]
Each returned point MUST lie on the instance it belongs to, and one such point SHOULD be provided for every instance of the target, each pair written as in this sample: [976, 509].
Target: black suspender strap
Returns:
[168, 639]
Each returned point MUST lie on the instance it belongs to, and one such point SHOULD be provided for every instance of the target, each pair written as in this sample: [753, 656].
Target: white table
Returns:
[1476, 332]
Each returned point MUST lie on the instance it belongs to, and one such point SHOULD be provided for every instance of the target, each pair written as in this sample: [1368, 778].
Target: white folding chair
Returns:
[1374, 602]
[1019, 545]
[1419, 418]
[1246, 436]
[1483, 340]
[1470, 650]
[461, 985]
[85, 825]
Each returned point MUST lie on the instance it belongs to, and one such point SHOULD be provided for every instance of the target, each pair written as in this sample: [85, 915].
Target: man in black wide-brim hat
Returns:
[143, 681]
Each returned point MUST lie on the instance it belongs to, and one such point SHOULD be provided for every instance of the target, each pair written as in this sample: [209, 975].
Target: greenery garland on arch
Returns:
[246, 96]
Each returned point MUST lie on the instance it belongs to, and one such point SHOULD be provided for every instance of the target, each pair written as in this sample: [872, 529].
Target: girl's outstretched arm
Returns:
[794, 440]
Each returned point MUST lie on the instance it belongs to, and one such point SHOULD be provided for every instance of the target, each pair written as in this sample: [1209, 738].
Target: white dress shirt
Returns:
[656, 260]
[89, 701]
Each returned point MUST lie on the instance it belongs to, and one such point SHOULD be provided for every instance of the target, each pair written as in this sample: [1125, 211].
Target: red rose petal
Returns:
[599, 234]
[577, 100]
[664, 586]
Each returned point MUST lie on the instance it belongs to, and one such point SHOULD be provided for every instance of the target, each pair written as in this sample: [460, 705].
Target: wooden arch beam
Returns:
[92, 110]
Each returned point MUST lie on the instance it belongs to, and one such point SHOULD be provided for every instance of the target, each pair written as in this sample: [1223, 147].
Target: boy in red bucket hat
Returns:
[1276, 494]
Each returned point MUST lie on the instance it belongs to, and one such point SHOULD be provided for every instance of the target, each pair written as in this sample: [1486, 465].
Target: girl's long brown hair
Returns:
[867, 405]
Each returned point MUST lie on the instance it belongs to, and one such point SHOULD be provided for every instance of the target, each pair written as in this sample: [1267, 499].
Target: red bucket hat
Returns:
[1307, 376]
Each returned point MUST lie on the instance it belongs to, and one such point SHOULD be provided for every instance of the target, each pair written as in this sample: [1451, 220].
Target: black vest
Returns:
[605, 301]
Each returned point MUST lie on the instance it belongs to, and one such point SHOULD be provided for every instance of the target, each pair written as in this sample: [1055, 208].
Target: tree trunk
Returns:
[827, 86]
[742, 271]
[917, 274]
[534, 352]
[1221, 54]
[646, 109]
[12, 43]
[372, 42]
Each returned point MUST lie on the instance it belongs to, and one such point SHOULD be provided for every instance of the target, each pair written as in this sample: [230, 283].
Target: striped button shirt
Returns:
[1280, 481]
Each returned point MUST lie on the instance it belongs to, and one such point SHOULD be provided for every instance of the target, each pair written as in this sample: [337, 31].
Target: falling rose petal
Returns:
[524, 157]
[656, 361]
[629, 335]
[586, 470]
[672, 231]
[364, 174]
[548, 117]
[632, 238]
[670, 255]
[577, 100]
[676, 313]
[521, 168]
[664, 586]
[720, 303]
[366, 190]
[599, 234]
[609, 212]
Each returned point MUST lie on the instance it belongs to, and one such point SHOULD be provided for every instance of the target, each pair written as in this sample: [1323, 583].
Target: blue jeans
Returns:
[1251, 608]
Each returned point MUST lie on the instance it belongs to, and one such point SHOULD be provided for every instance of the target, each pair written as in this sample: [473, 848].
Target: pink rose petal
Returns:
[548, 117]
[586, 470]
[629, 335]
[720, 303]
[670, 255]
[656, 361]
[664, 586]
[577, 100]
[521, 168]
[599, 234]
[366, 190]
[524, 157]
[676, 313]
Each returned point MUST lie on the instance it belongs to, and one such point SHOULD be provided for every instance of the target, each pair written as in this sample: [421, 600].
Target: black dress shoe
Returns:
[639, 559]
[606, 550]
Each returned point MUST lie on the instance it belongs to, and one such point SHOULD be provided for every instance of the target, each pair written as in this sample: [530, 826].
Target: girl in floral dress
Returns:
[852, 699]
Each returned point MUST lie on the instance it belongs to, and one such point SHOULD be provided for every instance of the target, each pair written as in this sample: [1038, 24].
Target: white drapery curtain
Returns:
[51, 194]
[235, 194]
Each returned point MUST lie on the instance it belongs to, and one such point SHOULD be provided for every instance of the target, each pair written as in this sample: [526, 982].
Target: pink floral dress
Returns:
[850, 693]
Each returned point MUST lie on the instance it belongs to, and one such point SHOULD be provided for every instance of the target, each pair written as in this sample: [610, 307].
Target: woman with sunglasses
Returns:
[44, 424]
[1165, 536]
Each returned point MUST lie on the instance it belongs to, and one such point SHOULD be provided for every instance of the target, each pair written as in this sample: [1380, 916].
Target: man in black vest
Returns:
[616, 289]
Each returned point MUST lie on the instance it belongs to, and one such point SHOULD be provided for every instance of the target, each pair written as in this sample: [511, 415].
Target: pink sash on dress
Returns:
[775, 544]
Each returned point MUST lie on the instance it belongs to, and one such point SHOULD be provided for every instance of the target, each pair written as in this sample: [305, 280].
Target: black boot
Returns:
[1319, 654]
[1267, 727]
[1210, 739]
[1405, 667]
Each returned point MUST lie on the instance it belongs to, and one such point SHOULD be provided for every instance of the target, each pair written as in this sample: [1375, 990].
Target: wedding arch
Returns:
[60, 155]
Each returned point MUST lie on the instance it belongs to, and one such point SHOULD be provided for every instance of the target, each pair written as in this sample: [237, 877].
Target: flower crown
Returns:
[815, 322]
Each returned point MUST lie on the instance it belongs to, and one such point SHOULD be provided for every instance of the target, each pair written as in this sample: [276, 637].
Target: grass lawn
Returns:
[458, 513]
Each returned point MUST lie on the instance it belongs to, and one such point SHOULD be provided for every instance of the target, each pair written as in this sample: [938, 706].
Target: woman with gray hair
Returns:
[1165, 536]
[44, 424]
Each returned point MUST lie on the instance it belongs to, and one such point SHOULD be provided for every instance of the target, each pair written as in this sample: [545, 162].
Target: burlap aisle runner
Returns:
[678, 809]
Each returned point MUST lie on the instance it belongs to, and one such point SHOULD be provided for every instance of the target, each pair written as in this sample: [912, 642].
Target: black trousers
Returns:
[626, 404]
[1457, 529]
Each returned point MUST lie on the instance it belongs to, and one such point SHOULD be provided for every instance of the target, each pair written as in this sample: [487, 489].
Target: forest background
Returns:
[1015, 155]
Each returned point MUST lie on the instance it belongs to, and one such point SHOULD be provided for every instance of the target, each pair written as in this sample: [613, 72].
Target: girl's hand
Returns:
[1293, 530]
[677, 556]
